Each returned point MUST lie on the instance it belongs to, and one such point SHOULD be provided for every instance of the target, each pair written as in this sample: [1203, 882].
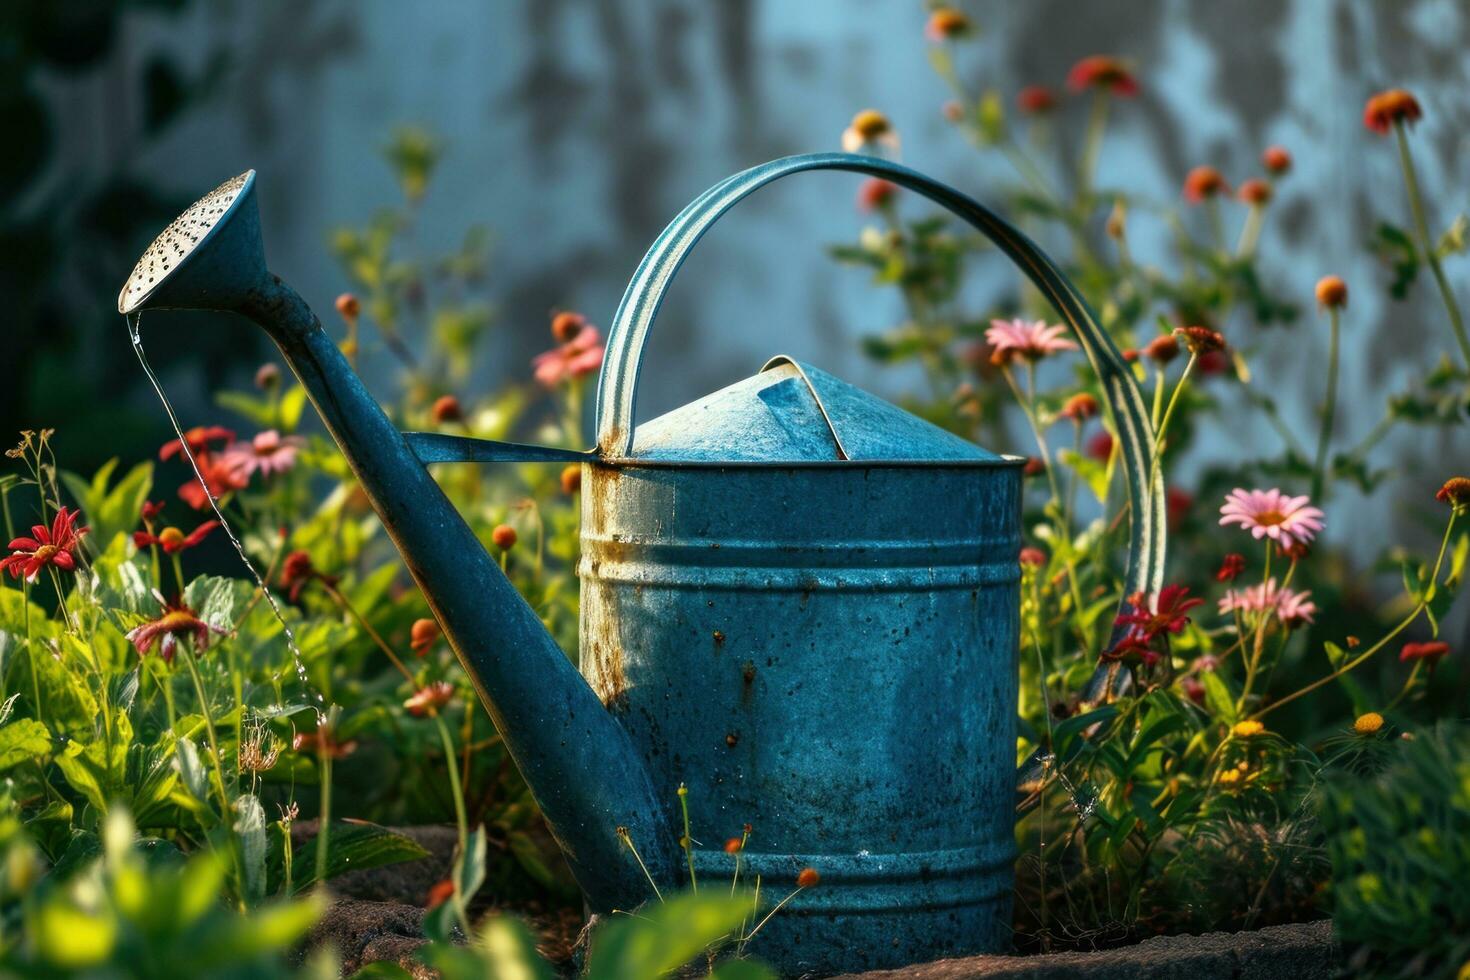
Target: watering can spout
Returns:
[580, 763]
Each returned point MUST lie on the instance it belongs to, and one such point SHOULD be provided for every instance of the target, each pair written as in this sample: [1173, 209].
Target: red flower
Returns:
[808, 878]
[1034, 557]
[1036, 99]
[1177, 503]
[297, 572]
[1100, 71]
[1276, 159]
[1255, 191]
[177, 622]
[1202, 183]
[55, 546]
[1212, 363]
[1200, 340]
[1034, 466]
[1100, 446]
[875, 194]
[220, 475]
[171, 539]
[1230, 567]
[1133, 650]
[198, 439]
[1151, 616]
[323, 741]
[151, 509]
[1193, 689]
[504, 537]
[349, 306]
[1385, 109]
[428, 699]
[1455, 492]
[1162, 349]
[1431, 651]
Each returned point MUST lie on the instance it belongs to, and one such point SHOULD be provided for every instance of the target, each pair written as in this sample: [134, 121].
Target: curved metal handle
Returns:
[628, 334]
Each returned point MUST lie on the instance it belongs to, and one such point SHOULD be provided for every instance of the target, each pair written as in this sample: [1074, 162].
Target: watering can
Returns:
[797, 599]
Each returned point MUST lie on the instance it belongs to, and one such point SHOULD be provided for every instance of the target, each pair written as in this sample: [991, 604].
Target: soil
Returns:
[378, 915]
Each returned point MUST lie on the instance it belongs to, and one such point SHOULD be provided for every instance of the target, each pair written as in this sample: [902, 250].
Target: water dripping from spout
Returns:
[134, 321]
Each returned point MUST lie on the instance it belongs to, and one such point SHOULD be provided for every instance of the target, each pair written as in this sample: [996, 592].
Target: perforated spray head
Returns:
[207, 259]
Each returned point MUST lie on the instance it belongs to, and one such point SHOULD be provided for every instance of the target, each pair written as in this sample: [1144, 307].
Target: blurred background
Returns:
[573, 131]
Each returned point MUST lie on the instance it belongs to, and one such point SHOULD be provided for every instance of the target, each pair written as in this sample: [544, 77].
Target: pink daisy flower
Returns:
[577, 357]
[1033, 341]
[269, 452]
[1292, 608]
[1272, 514]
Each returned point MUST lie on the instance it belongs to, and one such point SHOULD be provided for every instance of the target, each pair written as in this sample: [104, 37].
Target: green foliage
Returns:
[1399, 841]
[135, 912]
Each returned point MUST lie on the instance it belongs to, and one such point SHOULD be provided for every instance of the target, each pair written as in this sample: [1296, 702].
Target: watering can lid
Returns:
[790, 413]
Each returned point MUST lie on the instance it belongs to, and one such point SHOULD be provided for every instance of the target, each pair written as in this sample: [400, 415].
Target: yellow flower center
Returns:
[870, 123]
[1367, 724]
[171, 536]
[177, 621]
[1271, 517]
[46, 552]
[1245, 729]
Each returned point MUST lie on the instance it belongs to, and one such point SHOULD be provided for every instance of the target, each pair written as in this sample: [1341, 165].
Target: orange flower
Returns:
[1101, 71]
[1276, 160]
[422, 636]
[867, 128]
[1202, 183]
[1255, 191]
[733, 845]
[1080, 407]
[1033, 557]
[441, 892]
[571, 479]
[566, 325]
[198, 439]
[1386, 108]
[1332, 292]
[348, 307]
[323, 741]
[504, 537]
[446, 409]
[946, 24]
[1431, 651]
[297, 571]
[808, 878]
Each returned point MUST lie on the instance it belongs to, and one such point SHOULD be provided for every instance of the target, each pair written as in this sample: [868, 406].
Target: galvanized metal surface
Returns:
[825, 652]
[799, 600]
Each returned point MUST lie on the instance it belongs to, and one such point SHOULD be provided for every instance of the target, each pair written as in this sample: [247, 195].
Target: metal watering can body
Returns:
[798, 600]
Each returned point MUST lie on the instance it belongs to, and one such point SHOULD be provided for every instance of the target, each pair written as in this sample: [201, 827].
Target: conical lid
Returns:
[791, 413]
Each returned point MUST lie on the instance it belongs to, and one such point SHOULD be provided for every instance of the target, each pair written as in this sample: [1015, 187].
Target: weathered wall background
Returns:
[576, 129]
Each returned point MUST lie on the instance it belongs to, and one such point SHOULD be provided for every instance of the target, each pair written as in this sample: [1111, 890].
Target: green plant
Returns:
[1399, 840]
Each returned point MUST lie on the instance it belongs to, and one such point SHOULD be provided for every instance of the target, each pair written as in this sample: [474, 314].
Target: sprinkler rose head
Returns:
[209, 258]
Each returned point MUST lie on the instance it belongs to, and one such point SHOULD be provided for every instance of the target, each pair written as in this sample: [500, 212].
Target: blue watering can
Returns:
[797, 599]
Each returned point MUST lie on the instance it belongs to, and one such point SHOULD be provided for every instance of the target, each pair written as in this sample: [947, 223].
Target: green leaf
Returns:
[250, 831]
[1395, 249]
[352, 846]
[1063, 732]
[22, 740]
[1217, 697]
[257, 410]
[1452, 241]
[662, 938]
[742, 970]
[508, 950]
[114, 511]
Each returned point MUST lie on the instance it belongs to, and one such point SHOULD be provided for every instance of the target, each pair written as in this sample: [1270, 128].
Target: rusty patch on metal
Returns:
[605, 674]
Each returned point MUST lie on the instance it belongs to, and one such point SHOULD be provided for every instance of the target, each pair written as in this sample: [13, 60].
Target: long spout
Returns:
[579, 762]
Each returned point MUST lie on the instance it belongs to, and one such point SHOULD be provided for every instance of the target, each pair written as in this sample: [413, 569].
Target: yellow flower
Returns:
[1246, 729]
[1368, 724]
[1230, 777]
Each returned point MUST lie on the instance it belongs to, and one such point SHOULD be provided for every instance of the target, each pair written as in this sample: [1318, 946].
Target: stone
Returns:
[1303, 951]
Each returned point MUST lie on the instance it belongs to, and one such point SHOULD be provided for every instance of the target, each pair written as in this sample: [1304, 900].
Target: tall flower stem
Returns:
[1402, 625]
[461, 819]
[1097, 121]
[1421, 228]
[382, 644]
[1319, 471]
[1169, 414]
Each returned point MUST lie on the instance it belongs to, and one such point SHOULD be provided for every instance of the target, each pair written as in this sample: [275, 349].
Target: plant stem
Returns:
[461, 819]
[1403, 624]
[341, 600]
[1319, 472]
[1097, 119]
[219, 762]
[1421, 227]
[1169, 414]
